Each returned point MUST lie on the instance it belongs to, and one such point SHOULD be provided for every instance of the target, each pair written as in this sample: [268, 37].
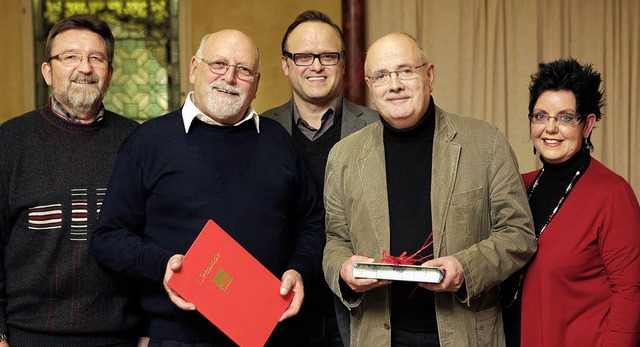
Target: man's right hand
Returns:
[174, 265]
[359, 285]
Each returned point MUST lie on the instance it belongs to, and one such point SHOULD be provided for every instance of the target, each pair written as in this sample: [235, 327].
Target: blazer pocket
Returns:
[465, 219]
[470, 197]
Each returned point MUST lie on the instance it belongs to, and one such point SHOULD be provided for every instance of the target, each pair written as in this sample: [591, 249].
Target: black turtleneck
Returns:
[408, 168]
[552, 185]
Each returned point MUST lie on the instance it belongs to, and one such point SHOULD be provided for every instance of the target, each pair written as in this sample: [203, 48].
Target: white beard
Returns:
[221, 106]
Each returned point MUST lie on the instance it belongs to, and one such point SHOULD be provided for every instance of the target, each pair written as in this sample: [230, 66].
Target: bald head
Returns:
[225, 94]
[400, 79]
[391, 41]
[229, 34]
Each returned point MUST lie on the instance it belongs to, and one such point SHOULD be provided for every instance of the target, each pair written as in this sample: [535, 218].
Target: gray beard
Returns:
[221, 107]
[83, 101]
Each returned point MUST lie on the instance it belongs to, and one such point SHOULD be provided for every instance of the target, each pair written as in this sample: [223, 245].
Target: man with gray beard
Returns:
[214, 158]
[55, 163]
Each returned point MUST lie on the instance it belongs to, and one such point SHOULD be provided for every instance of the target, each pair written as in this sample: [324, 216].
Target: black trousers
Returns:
[403, 338]
[170, 343]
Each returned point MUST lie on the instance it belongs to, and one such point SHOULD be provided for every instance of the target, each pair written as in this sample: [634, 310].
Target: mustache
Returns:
[219, 85]
[82, 78]
[399, 95]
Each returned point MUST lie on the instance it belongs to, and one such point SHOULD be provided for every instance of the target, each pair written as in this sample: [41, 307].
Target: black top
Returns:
[553, 184]
[315, 152]
[408, 167]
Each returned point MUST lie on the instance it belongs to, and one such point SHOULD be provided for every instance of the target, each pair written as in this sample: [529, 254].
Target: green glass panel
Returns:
[129, 66]
[133, 110]
[146, 41]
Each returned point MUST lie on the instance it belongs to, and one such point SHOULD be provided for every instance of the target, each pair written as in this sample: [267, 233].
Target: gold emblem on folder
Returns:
[222, 280]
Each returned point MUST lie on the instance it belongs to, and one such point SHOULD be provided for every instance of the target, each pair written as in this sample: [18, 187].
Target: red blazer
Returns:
[582, 288]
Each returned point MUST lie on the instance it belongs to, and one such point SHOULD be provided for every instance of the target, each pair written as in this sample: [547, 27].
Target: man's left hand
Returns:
[292, 282]
[173, 265]
[453, 276]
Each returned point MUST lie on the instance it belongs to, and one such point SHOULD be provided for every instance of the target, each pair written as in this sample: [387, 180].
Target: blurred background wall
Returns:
[264, 21]
[484, 52]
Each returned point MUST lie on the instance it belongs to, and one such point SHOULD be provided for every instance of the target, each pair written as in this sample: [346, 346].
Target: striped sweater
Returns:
[53, 178]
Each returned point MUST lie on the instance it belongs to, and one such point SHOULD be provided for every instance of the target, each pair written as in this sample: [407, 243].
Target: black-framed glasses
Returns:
[406, 73]
[566, 119]
[306, 59]
[220, 67]
[71, 59]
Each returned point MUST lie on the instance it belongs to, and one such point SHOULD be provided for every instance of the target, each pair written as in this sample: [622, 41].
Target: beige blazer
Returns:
[477, 197]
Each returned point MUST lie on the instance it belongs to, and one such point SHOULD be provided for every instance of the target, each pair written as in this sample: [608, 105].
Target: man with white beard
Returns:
[214, 158]
[55, 164]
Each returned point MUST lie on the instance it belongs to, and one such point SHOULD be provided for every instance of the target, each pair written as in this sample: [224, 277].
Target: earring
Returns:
[585, 145]
[534, 150]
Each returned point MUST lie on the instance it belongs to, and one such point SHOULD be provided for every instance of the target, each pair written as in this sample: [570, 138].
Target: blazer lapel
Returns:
[283, 115]
[372, 175]
[446, 155]
[351, 120]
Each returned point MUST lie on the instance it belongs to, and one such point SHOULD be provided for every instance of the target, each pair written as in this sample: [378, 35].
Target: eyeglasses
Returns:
[73, 59]
[564, 119]
[307, 59]
[406, 73]
[220, 67]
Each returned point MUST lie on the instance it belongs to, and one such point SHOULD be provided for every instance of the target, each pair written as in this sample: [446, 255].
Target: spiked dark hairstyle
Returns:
[567, 74]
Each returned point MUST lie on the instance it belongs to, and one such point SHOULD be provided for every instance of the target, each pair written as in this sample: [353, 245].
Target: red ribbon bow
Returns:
[412, 259]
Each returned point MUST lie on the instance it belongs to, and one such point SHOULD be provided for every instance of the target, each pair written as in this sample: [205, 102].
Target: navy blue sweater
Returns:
[167, 183]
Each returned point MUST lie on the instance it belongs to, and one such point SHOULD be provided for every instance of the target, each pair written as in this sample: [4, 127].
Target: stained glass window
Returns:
[145, 81]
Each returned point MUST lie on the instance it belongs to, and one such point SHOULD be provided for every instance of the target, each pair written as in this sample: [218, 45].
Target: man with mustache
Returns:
[55, 164]
[214, 158]
[318, 116]
[423, 175]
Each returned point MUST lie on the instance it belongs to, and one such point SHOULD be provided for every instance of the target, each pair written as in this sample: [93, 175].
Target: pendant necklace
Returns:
[577, 175]
[562, 198]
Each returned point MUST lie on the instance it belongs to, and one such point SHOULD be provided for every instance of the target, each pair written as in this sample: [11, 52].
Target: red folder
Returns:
[230, 287]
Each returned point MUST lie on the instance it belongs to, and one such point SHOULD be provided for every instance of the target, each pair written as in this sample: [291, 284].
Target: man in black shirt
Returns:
[423, 175]
[318, 116]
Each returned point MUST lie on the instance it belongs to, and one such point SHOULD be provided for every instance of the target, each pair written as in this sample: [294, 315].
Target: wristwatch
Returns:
[3, 337]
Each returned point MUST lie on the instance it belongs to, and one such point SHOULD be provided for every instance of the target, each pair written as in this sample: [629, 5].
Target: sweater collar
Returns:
[66, 124]
[60, 111]
[567, 168]
[424, 128]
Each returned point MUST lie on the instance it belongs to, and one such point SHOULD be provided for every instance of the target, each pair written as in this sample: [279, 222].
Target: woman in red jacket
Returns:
[582, 288]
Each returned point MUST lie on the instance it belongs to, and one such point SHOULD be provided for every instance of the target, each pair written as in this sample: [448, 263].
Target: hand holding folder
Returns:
[173, 265]
[292, 283]
[231, 288]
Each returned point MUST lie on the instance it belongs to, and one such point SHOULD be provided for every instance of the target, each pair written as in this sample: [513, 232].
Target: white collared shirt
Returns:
[191, 111]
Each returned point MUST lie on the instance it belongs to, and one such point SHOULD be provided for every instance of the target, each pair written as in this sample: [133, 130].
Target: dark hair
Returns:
[567, 74]
[84, 22]
[311, 16]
